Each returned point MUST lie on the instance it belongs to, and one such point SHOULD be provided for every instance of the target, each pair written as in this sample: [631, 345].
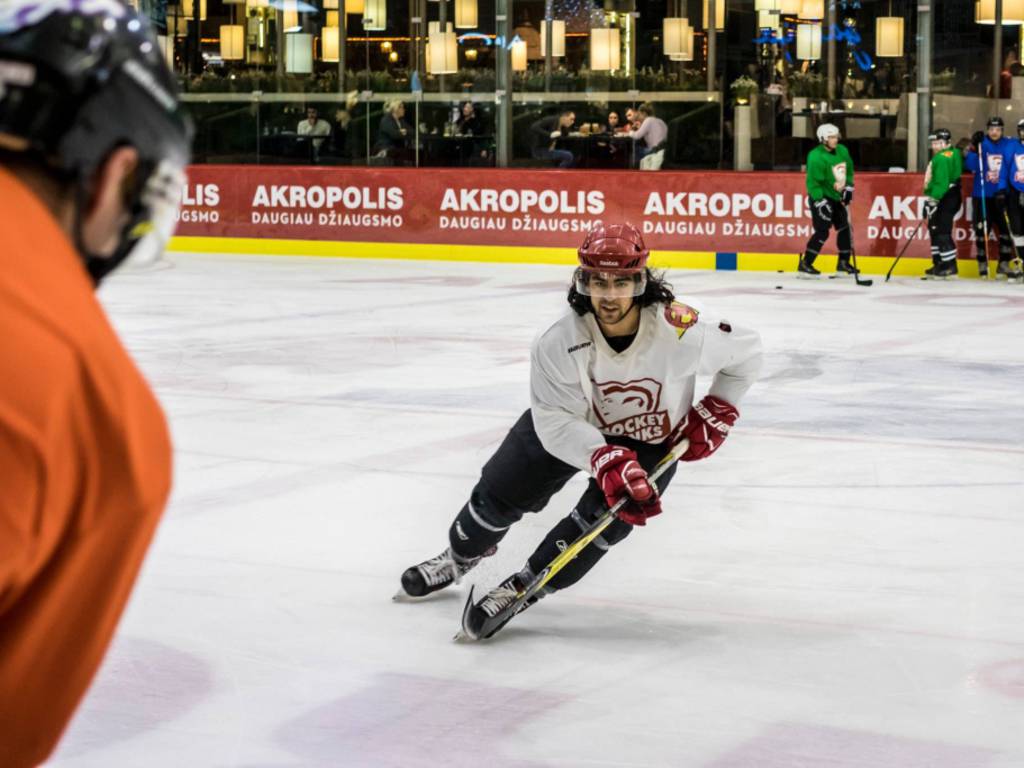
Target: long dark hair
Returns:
[657, 291]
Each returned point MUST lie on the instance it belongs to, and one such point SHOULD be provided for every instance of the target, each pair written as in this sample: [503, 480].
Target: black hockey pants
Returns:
[522, 477]
[993, 210]
[940, 226]
[823, 226]
[1015, 217]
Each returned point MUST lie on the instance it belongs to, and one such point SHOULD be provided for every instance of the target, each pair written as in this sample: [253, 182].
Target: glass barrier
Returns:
[452, 129]
[784, 131]
[688, 132]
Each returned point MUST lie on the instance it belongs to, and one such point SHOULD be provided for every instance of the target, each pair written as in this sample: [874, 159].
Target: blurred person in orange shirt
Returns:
[92, 154]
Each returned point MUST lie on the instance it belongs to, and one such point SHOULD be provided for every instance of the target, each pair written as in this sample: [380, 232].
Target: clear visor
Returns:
[610, 285]
[161, 199]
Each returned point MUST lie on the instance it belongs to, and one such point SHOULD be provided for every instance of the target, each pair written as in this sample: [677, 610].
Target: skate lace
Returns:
[498, 599]
[440, 568]
[446, 567]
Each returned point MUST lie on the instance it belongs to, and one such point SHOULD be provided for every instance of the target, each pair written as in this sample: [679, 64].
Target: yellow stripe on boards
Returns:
[502, 254]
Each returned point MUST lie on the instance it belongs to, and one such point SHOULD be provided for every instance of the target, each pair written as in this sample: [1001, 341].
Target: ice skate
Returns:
[945, 270]
[1009, 270]
[437, 573]
[844, 267]
[483, 619]
[982, 269]
[806, 269]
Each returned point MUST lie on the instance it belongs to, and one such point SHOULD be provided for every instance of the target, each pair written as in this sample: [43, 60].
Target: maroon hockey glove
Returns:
[706, 426]
[620, 476]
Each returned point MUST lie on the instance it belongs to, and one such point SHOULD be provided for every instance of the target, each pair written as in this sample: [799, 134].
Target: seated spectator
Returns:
[653, 131]
[633, 120]
[313, 126]
[471, 123]
[340, 136]
[546, 131]
[394, 137]
[613, 123]
[339, 131]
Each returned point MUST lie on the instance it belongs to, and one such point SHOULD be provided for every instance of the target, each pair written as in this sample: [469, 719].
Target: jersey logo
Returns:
[995, 165]
[631, 408]
[681, 317]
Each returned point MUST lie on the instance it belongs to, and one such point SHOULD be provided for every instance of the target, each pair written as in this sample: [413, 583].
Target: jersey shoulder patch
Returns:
[681, 316]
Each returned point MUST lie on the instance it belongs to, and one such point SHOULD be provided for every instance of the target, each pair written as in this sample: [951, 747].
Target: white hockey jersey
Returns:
[582, 389]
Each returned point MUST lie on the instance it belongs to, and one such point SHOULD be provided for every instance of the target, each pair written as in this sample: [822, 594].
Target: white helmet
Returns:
[825, 130]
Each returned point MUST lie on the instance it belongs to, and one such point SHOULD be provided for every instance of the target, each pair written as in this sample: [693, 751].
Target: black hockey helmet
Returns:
[941, 134]
[79, 80]
[995, 120]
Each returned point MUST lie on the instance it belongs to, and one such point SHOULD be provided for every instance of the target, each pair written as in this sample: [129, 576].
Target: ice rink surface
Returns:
[841, 586]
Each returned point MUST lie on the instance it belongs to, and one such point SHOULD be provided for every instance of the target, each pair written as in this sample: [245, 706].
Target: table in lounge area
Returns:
[459, 150]
[600, 150]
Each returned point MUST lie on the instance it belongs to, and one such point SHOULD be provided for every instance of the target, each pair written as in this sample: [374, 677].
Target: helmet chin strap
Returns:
[96, 265]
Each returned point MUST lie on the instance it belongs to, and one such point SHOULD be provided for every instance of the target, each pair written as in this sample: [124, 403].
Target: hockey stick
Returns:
[606, 518]
[853, 255]
[1016, 260]
[984, 211]
[904, 250]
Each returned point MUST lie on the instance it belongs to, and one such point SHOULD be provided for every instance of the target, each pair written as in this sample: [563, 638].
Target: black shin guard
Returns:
[565, 533]
[481, 523]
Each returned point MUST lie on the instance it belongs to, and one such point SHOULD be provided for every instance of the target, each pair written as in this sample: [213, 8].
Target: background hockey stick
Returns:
[853, 255]
[1016, 260]
[904, 250]
[984, 212]
[548, 572]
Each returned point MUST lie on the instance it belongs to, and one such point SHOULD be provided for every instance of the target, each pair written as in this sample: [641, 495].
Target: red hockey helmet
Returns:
[617, 248]
[610, 253]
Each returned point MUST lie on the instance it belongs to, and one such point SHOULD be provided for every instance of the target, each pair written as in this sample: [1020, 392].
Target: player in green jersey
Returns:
[830, 191]
[942, 201]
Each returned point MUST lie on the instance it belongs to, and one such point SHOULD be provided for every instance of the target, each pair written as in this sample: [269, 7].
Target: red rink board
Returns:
[724, 212]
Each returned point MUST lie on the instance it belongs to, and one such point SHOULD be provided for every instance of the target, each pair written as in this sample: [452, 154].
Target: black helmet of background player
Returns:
[612, 261]
[994, 127]
[1020, 129]
[76, 85]
[940, 139]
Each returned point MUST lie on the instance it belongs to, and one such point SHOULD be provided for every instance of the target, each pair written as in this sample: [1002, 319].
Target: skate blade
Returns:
[464, 635]
[805, 276]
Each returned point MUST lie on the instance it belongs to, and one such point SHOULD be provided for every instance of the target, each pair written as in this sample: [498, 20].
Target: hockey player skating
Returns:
[942, 201]
[987, 160]
[829, 190]
[611, 388]
[92, 151]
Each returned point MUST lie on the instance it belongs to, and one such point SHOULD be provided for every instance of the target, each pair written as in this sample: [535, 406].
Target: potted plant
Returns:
[743, 89]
